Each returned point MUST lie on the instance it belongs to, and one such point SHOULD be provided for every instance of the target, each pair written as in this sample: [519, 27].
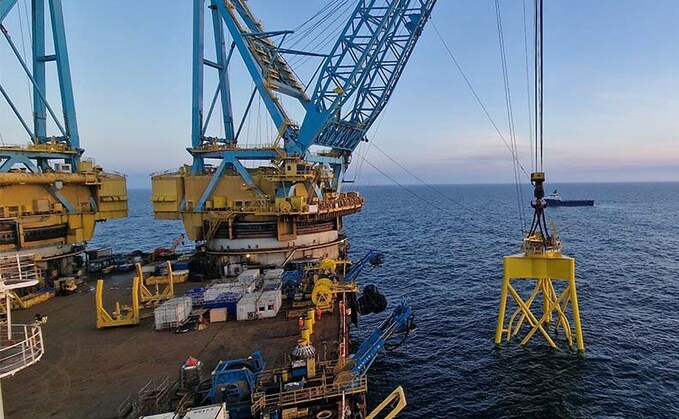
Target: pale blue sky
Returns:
[611, 95]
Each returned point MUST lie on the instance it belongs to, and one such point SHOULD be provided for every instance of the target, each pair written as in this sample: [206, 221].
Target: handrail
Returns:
[27, 350]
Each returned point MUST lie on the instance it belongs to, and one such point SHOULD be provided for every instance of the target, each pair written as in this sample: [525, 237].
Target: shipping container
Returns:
[172, 312]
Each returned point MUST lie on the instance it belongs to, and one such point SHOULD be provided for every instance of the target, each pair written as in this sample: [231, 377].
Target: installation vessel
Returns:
[271, 203]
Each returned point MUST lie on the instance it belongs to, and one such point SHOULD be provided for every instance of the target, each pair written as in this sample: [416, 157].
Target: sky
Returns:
[611, 90]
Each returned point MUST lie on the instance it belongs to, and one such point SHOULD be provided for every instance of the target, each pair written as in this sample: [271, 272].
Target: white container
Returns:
[217, 411]
[249, 278]
[172, 312]
[269, 303]
[247, 307]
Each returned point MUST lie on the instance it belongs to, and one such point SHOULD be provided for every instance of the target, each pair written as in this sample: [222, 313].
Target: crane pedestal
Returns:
[548, 270]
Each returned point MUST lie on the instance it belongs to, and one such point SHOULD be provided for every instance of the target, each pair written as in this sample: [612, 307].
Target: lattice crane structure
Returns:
[264, 204]
[50, 195]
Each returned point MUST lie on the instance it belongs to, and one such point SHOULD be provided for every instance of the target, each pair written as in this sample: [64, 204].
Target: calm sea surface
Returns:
[444, 253]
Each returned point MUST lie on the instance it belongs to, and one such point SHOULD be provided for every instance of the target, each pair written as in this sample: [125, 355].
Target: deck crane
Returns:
[399, 322]
[372, 301]
[50, 195]
[292, 199]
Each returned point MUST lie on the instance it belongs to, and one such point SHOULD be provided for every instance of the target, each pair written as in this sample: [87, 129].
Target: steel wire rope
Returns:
[510, 114]
[315, 44]
[528, 96]
[300, 61]
[419, 179]
[297, 37]
[421, 198]
[470, 211]
[371, 143]
[314, 16]
[539, 96]
[478, 98]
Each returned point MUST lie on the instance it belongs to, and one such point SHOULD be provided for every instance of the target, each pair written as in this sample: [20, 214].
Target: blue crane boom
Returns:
[399, 322]
[372, 257]
[362, 70]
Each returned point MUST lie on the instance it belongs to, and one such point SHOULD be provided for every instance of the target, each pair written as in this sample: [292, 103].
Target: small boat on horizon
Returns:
[555, 200]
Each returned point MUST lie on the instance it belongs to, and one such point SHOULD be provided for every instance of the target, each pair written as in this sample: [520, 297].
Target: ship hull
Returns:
[570, 203]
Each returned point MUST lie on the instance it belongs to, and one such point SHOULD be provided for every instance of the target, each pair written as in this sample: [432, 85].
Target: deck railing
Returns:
[25, 348]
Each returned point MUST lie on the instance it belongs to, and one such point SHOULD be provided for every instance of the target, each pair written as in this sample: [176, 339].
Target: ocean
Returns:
[443, 252]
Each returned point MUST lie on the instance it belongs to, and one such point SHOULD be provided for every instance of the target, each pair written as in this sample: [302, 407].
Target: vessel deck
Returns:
[87, 373]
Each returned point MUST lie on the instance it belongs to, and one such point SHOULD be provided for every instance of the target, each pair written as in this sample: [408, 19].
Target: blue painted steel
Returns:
[372, 258]
[266, 66]
[362, 70]
[211, 186]
[400, 321]
[38, 89]
[16, 111]
[198, 122]
[5, 7]
[220, 48]
[14, 158]
[69, 129]
[39, 107]
[234, 381]
[59, 197]
[64, 73]
[360, 74]
[197, 68]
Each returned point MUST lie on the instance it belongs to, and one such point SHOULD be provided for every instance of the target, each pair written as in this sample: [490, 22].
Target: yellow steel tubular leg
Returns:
[531, 316]
[503, 308]
[576, 313]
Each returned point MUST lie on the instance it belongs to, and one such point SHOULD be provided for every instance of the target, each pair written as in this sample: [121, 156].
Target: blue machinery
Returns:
[372, 258]
[295, 195]
[51, 197]
[233, 382]
[399, 322]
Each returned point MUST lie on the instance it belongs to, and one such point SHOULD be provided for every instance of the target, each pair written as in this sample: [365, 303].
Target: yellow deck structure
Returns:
[159, 294]
[47, 213]
[123, 315]
[237, 219]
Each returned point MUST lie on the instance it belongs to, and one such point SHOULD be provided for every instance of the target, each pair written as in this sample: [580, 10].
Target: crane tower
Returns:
[50, 195]
[268, 203]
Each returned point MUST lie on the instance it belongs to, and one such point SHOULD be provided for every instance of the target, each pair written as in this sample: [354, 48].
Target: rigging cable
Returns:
[538, 85]
[478, 99]
[510, 115]
[528, 101]
[418, 178]
[413, 193]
